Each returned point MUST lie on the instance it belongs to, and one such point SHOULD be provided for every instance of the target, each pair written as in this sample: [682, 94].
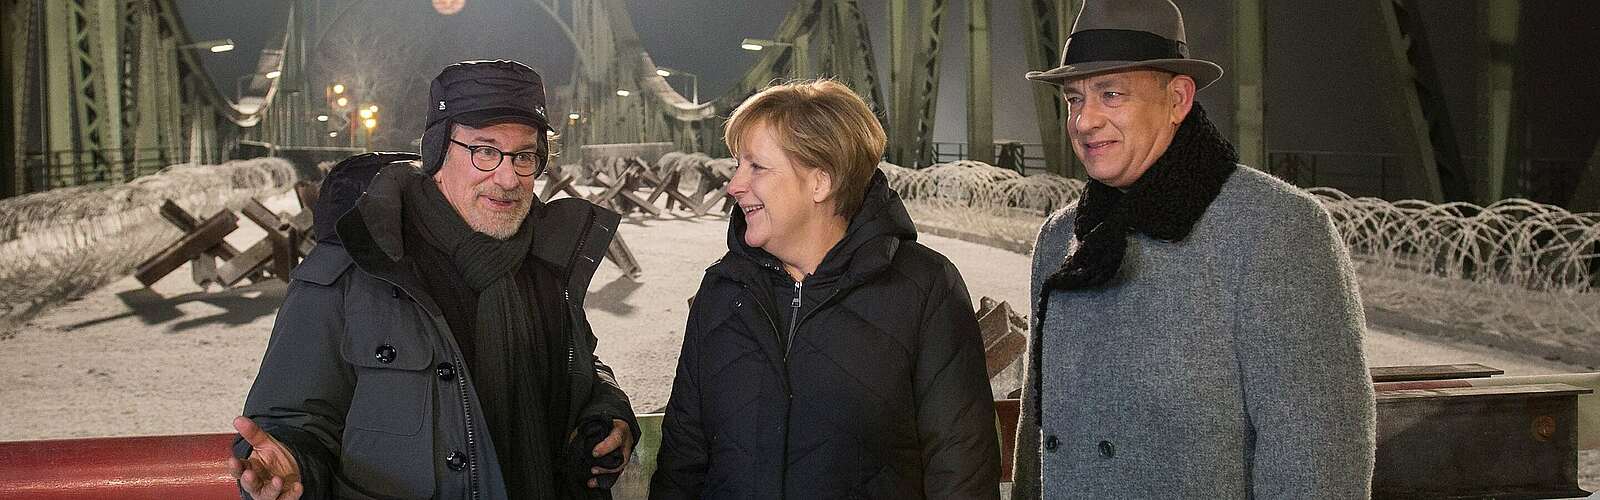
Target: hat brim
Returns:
[1203, 72]
[481, 117]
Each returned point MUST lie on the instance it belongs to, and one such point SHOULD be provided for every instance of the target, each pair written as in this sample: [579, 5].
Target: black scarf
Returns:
[494, 324]
[1163, 204]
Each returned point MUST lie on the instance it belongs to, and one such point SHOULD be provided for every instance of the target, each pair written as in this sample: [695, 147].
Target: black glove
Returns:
[580, 452]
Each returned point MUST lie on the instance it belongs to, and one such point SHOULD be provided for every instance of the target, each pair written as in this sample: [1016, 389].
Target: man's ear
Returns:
[1181, 89]
[821, 185]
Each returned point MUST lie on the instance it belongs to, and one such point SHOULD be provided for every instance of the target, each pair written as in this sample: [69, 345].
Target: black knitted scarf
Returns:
[1163, 204]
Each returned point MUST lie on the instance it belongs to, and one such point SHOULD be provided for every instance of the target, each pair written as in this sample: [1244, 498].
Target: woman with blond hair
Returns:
[828, 354]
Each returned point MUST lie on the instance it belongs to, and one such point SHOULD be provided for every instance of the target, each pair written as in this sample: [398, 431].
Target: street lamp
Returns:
[218, 45]
[756, 44]
[274, 74]
[694, 80]
[322, 118]
[338, 88]
[573, 116]
[342, 101]
[623, 92]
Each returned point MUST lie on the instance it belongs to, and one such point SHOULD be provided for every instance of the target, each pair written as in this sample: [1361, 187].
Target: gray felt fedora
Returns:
[1110, 35]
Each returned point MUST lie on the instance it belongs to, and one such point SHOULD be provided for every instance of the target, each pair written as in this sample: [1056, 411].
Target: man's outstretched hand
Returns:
[270, 473]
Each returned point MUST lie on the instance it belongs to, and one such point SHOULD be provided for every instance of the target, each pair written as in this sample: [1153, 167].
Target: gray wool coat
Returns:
[1226, 365]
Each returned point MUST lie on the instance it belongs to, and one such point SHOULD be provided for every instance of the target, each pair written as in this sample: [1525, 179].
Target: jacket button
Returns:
[456, 461]
[1051, 443]
[1107, 449]
[447, 371]
[385, 354]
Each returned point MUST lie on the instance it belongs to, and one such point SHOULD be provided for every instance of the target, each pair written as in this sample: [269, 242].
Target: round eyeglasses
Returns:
[486, 158]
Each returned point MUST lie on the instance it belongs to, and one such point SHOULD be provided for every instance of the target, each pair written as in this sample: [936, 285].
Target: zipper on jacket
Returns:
[794, 319]
[466, 408]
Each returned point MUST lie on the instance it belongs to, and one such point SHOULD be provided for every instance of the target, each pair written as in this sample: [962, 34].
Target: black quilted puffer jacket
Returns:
[866, 380]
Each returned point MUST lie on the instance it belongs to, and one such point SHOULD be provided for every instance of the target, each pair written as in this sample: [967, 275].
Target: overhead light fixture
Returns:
[322, 118]
[573, 116]
[333, 134]
[338, 88]
[758, 44]
[218, 45]
[663, 73]
[274, 74]
[222, 48]
[623, 93]
[342, 102]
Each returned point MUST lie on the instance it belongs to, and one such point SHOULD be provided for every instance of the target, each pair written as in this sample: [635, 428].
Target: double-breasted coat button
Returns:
[456, 461]
[447, 371]
[385, 354]
[1107, 449]
[1051, 443]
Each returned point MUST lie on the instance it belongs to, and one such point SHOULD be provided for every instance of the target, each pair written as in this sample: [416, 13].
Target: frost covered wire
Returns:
[1515, 267]
[65, 242]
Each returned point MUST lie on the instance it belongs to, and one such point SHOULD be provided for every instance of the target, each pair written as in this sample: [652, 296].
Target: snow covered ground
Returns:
[126, 360]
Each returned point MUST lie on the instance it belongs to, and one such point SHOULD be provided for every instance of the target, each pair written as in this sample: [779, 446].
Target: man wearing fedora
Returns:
[1197, 329]
[434, 344]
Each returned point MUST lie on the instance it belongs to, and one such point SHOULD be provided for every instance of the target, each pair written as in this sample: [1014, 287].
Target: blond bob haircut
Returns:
[818, 124]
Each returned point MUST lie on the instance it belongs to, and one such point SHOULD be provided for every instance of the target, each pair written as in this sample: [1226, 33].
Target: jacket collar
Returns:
[873, 236]
[573, 235]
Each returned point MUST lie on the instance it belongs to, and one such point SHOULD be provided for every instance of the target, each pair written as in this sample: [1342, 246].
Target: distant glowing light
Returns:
[371, 122]
[449, 7]
[274, 74]
[624, 93]
[222, 48]
[573, 116]
[366, 113]
[338, 88]
[322, 118]
[333, 134]
[342, 102]
[663, 73]
[373, 108]
[749, 46]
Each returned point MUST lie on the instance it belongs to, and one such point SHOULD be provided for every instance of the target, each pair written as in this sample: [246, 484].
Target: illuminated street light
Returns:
[573, 116]
[322, 118]
[370, 123]
[333, 134]
[274, 74]
[623, 93]
[338, 88]
[218, 45]
[694, 80]
[758, 44]
[342, 102]
[366, 114]
[373, 108]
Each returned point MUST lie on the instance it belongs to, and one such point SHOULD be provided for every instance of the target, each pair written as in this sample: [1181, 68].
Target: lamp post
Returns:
[800, 62]
[694, 80]
[218, 45]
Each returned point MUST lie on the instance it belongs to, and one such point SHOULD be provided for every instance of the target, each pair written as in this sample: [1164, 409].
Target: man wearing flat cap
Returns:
[1196, 324]
[434, 344]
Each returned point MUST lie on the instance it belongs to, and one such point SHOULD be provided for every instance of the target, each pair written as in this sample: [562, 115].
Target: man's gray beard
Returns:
[501, 231]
